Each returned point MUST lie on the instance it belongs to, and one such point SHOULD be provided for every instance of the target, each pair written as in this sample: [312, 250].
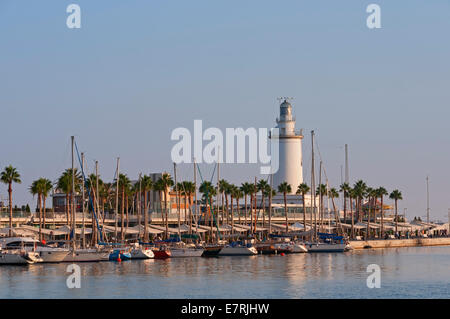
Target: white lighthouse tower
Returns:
[290, 149]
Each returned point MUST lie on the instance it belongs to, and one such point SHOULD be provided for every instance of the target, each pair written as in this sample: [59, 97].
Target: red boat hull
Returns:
[162, 254]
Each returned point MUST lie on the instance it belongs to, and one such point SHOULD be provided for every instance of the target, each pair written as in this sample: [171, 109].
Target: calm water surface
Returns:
[422, 272]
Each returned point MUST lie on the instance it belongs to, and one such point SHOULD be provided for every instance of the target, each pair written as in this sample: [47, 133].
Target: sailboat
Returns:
[18, 257]
[46, 253]
[85, 254]
[329, 242]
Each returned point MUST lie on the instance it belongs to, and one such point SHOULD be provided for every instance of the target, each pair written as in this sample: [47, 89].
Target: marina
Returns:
[415, 272]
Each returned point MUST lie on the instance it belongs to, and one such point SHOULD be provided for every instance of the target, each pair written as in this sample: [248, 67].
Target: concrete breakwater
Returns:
[396, 243]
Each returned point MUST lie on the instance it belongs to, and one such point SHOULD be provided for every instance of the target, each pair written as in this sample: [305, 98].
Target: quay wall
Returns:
[396, 243]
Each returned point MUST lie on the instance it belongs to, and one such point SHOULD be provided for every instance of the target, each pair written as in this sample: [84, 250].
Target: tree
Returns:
[166, 183]
[36, 189]
[262, 186]
[124, 184]
[46, 188]
[285, 188]
[146, 186]
[303, 189]
[359, 192]
[64, 184]
[223, 185]
[344, 189]
[396, 195]
[381, 192]
[9, 176]
[245, 188]
[322, 191]
[208, 191]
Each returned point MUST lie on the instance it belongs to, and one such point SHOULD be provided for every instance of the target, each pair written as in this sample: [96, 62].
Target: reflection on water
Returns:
[421, 272]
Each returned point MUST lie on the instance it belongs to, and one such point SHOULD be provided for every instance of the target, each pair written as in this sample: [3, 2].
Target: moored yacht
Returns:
[46, 253]
[238, 249]
[18, 257]
[89, 254]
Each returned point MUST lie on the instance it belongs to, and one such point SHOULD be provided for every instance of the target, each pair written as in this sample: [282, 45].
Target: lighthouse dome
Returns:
[285, 108]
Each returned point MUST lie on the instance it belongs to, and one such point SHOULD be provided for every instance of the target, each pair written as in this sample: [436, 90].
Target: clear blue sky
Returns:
[138, 69]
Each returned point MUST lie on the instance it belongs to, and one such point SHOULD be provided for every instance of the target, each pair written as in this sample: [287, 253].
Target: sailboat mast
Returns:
[97, 210]
[83, 201]
[313, 188]
[320, 197]
[73, 199]
[117, 199]
[428, 202]
[176, 198]
[139, 208]
[195, 198]
[217, 192]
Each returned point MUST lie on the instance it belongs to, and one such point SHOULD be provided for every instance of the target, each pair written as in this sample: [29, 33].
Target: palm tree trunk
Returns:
[166, 213]
[43, 222]
[353, 218]
[285, 212]
[304, 211]
[122, 220]
[246, 208]
[382, 218]
[10, 208]
[40, 216]
[145, 212]
[239, 213]
[396, 219]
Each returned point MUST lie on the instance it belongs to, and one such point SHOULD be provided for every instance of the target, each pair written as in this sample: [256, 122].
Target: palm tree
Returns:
[322, 191]
[47, 186]
[228, 189]
[245, 188]
[351, 195]
[166, 183]
[124, 184]
[64, 184]
[9, 176]
[238, 195]
[159, 187]
[359, 193]
[396, 195]
[344, 189]
[332, 194]
[146, 186]
[223, 184]
[285, 188]
[252, 192]
[36, 189]
[189, 187]
[262, 186]
[381, 192]
[303, 189]
[208, 191]
[369, 194]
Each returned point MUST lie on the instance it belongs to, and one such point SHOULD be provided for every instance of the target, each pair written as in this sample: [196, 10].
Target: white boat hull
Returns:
[52, 255]
[87, 255]
[139, 253]
[238, 251]
[16, 258]
[186, 252]
[325, 248]
[299, 248]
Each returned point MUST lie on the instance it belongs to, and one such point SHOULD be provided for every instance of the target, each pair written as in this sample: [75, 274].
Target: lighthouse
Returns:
[290, 149]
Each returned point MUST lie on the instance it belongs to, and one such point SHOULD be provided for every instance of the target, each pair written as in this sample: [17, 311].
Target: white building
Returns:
[290, 149]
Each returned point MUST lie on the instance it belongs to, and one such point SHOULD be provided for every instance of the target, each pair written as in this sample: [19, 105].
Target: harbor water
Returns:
[416, 272]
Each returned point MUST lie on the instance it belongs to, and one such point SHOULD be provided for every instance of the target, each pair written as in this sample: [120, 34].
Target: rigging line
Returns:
[206, 195]
[89, 193]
